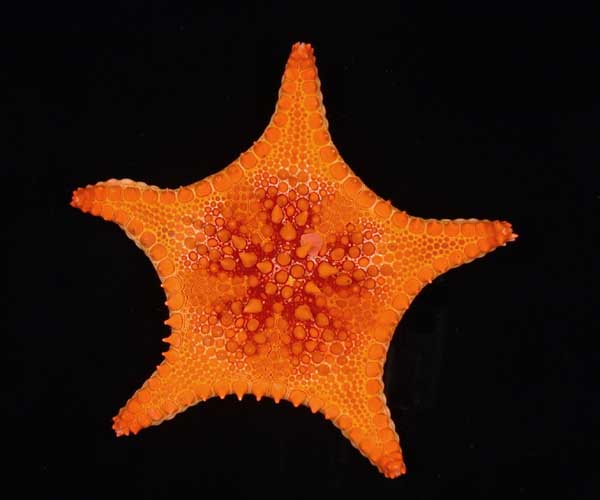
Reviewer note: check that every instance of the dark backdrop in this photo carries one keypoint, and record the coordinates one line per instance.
(489, 377)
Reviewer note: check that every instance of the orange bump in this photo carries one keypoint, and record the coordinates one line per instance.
(221, 182)
(278, 391)
(240, 387)
(302, 251)
(352, 186)
(310, 87)
(203, 188)
(311, 288)
(253, 306)
(150, 196)
(167, 197)
(288, 232)
(221, 389)
(374, 386)
(261, 149)
(484, 245)
(375, 404)
(288, 87)
(186, 398)
(471, 250)
(297, 397)
(176, 301)
(315, 404)
(175, 321)
(400, 302)
(344, 422)
(203, 391)
(238, 242)
(381, 420)
(337, 253)
(264, 266)
(248, 258)
(343, 280)
(376, 352)
(276, 214)
(273, 134)
(331, 412)
(320, 137)
(339, 170)
(381, 333)
(366, 198)
(468, 229)
(373, 369)
(114, 193)
(321, 320)
(383, 209)
(171, 284)
(285, 102)
(400, 219)
(280, 119)
(299, 332)
(440, 264)
(325, 270)
(426, 274)
(169, 407)
(185, 195)
(302, 218)
(135, 227)
(228, 264)
(107, 212)
(308, 74)
(121, 217)
(235, 172)
(259, 389)
(248, 160)
(482, 228)
(451, 228)
(387, 435)
(174, 339)
(292, 74)
(158, 252)
(297, 271)
(456, 258)
(412, 286)
(165, 267)
(311, 102)
(416, 226)
(155, 414)
(328, 154)
(303, 313)
(434, 228)
(388, 317)
(131, 194)
(367, 446)
(315, 121)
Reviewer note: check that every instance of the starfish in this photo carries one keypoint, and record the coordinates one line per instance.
(285, 275)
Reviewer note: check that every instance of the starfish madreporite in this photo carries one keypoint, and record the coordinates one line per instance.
(285, 275)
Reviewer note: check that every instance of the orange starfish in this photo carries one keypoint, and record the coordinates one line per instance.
(285, 275)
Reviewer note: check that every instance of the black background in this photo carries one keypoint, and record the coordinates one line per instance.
(487, 115)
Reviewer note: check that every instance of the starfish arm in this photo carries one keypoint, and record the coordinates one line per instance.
(353, 399)
(423, 249)
(298, 131)
(146, 213)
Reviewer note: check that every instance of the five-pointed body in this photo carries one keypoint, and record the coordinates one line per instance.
(285, 275)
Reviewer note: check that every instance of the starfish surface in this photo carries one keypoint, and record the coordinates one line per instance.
(285, 275)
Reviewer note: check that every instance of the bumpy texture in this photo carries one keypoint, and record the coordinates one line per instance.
(285, 275)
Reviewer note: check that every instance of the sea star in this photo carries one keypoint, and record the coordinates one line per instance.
(285, 275)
